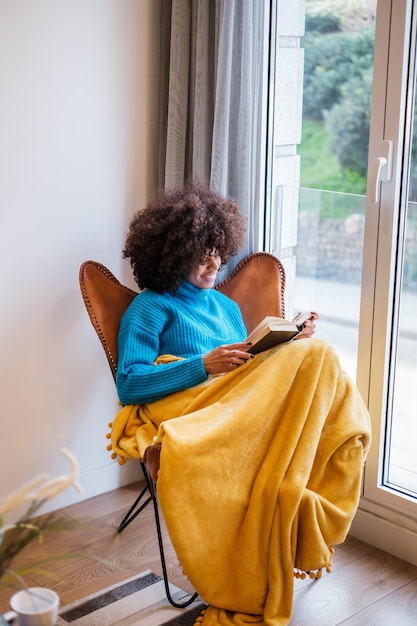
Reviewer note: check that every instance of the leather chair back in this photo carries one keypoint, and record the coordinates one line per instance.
(105, 299)
(257, 284)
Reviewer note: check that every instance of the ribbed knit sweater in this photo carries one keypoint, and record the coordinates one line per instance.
(187, 324)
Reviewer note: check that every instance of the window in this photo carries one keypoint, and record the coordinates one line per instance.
(346, 230)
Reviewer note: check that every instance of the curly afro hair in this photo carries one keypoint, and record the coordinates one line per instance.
(168, 239)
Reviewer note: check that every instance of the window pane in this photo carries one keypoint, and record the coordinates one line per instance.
(400, 464)
(329, 266)
(338, 63)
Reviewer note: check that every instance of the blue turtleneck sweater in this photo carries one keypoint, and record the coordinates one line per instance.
(187, 324)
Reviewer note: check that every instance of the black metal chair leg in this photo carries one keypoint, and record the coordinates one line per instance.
(151, 487)
(132, 512)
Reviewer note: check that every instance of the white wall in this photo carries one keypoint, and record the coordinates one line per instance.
(73, 146)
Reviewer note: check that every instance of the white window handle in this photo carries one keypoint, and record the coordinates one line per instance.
(381, 171)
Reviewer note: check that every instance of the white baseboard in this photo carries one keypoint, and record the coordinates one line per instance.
(385, 535)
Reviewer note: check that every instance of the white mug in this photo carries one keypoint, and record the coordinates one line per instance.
(35, 606)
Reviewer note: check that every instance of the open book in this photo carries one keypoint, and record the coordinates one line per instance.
(274, 330)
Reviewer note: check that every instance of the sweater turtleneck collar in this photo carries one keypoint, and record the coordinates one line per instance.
(190, 293)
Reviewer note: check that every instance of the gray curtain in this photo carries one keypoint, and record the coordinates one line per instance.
(210, 95)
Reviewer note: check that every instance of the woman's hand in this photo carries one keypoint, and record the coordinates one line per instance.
(226, 358)
(309, 328)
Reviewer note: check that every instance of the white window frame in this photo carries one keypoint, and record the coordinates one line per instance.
(384, 519)
(382, 510)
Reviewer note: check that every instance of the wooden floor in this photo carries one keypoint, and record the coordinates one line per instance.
(366, 588)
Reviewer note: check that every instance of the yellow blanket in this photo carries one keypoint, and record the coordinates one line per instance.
(260, 474)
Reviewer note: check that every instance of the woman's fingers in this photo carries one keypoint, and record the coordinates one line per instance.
(227, 357)
(308, 330)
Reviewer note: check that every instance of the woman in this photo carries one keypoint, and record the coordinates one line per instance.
(262, 456)
(176, 246)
